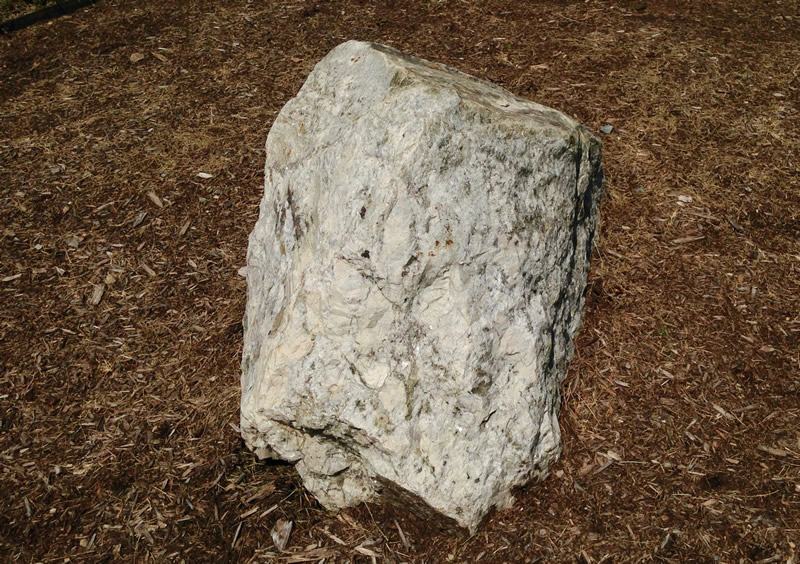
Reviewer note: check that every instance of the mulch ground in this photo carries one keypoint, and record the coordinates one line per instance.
(120, 311)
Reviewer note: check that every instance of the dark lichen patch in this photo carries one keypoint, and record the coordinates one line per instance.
(482, 389)
(408, 264)
(277, 322)
(299, 230)
(400, 80)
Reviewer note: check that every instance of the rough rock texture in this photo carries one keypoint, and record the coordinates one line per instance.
(415, 280)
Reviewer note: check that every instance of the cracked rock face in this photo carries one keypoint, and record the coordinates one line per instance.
(415, 280)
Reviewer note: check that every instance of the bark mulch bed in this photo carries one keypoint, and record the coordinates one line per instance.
(120, 327)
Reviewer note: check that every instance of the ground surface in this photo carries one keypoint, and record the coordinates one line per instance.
(13, 8)
(120, 324)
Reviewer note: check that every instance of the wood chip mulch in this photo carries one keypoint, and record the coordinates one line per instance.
(131, 162)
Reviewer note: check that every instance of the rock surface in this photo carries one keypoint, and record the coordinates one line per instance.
(415, 280)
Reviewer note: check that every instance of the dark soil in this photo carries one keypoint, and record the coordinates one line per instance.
(120, 327)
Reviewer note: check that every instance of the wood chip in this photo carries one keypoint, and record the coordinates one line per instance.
(268, 511)
(403, 538)
(281, 532)
(773, 451)
(97, 294)
(334, 538)
(149, 270)
(261, 493)
(248, 513)
(184, 228)
(159, 56)
(345, 518)
(604, 466)
(155, 199)
(361, 549)
(139, 219)
(98, 209)
(722, 412)
(668, 375)
(11, 278)
(736, 227)
(703, 215)
(313, 555)
(682, 240)
(236, 535)
(73, 241)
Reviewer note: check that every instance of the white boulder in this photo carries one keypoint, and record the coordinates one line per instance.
(415, 280)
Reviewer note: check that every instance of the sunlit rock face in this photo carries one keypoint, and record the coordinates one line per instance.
(415, 281)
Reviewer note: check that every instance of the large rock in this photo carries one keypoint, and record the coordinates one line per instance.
(415, 280)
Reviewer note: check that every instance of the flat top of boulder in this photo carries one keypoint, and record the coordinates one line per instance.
(388, 68)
